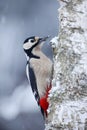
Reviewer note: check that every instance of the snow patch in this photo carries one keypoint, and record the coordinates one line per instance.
(54, 42)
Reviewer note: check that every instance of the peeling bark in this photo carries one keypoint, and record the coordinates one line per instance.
(68, 96)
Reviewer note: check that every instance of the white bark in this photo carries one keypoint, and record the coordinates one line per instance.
(68, 97)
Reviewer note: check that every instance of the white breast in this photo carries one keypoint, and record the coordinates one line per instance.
(43, 72)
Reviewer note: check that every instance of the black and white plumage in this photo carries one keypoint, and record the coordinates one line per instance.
(39, 70)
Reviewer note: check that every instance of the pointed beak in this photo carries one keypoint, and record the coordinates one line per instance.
(43, 39)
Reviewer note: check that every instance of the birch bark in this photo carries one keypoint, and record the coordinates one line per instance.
(68, 96)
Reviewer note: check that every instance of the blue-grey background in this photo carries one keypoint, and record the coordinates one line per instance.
(20, 19)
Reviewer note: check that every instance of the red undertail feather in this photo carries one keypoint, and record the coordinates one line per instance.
(44, 102)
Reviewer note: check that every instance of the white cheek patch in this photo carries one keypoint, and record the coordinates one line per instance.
(27, 45)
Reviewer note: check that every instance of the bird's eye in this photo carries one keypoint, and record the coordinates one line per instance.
(32, 40)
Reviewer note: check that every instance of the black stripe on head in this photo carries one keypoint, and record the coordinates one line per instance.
(29, 51)
(33, 37)
(30, 54)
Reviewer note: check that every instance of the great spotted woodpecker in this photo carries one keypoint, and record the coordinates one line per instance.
(39, 71)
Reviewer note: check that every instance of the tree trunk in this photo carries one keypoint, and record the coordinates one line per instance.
(68, 96)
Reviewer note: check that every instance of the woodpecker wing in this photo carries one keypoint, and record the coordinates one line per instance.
(33, 83)
(32, 79)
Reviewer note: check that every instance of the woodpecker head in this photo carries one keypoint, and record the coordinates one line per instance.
(33, 43)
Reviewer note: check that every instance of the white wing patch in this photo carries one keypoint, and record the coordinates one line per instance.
(27, 72)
